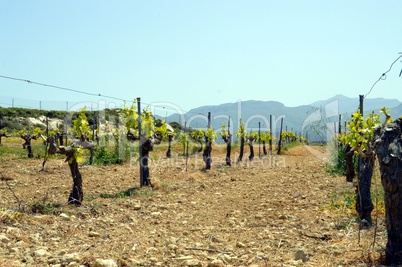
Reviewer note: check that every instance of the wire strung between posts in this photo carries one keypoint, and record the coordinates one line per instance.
(61, 88)
(88, 93)
(384, 75)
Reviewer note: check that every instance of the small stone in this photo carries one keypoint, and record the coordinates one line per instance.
(216, 263)
(298, 194)
(71, 257)
(156, 214)
(105, 263)
(41, 253)
(301, 255)
(240, 245)
(283, 217)
(137, 206)
(259, 216)
(65, 217)
(4, 238)
(93, 234)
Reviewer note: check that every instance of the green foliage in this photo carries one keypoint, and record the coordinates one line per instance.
(81, 127)
(78, 152)
(253, 136)
(148, 129)
(122, 194)
(337, 160)
(21, 132)
(224, 132)
(343, 201)
(165, 130)
(36, 113)
(197, 135)
(183, 138)
(210, 134)
(266, 137)
(42, 208)
(241, 132)
(37, 131)
(104, 157)
(361, 131)
(130, 118)
(148, 124)
(289, 135)
(386, 112)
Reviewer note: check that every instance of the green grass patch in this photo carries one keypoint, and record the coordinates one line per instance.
(42, 208)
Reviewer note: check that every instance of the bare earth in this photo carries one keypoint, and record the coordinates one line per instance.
(274, 212)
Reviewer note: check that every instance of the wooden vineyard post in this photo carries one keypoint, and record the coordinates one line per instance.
(228, 145)
(93, 137)
(140, 144)
(364, 204)
(280, 138)
(270, 131)
(208, 147)
(259, 140)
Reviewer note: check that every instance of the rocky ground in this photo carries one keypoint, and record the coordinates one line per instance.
(278, 211)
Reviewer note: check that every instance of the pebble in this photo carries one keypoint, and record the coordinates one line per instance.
(301, 255)
(71, 257)
(105, 263)
(4, 238)
(41, 253)
(240, 245)
(156, 214)
(192, 263)
(65, 217)
(216, 263)
(93, 234)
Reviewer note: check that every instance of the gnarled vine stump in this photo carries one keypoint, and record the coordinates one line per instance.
(77, 193)
(250, 144)
(388, 146)
(350, 167)
(364, 204)
(228, 142)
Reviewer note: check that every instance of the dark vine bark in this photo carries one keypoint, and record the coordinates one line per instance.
(59, 137)
(388, 147)
(200, 149)
(364, 204)
(77, 193)
(240, 158)
(250, 144)
(350, 168)
(28, 138)
(206, 155)
(228, 142)
(264, 149)
(146, 145)
(2, 135)
(168, 153)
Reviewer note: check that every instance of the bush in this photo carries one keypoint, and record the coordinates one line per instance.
(105, 157)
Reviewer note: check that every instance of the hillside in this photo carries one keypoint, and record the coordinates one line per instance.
(299, 119)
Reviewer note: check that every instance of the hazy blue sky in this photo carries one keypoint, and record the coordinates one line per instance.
(194, 53)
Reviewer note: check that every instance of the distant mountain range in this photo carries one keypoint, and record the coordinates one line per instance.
(310, 119)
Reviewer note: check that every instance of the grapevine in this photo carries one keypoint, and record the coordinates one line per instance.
(241, 135)
(227, 137)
